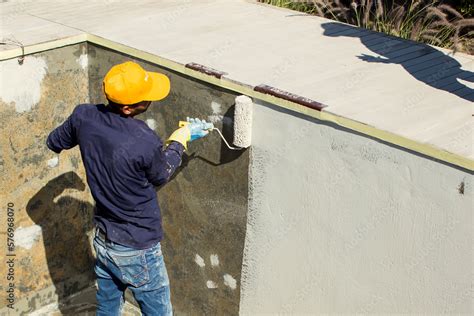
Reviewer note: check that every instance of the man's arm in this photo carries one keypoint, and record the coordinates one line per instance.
(164, 163)
(64, 136)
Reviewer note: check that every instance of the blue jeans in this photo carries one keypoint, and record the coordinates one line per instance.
(142, 271)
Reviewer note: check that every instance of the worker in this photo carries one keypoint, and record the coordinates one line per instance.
(124, 159)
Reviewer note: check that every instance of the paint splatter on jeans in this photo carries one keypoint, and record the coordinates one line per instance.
(142, 271)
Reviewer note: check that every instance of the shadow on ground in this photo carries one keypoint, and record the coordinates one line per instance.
(422, 61)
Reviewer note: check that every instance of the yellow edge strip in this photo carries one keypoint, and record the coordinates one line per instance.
(422, 148)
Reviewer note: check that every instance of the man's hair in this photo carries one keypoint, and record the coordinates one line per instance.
(113, 104)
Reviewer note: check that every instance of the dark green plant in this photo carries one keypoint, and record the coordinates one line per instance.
(466, 7)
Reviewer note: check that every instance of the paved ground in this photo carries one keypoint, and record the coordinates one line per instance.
(398, 86)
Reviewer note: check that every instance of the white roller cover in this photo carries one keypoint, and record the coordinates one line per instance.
(243, 121)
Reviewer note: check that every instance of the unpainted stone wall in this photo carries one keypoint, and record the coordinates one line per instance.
(52, 207)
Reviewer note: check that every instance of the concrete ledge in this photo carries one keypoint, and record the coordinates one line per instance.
(40, 47)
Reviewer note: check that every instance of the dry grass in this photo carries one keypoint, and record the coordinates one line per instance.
(427, 21)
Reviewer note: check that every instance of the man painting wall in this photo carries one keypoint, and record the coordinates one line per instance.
(124, 159)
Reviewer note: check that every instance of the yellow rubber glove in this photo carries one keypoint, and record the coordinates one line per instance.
(182, 135)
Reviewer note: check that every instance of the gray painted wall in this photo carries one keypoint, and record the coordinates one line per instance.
(341, 223)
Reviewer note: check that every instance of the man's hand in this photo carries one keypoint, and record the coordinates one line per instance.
(198, 128)
(191, 129)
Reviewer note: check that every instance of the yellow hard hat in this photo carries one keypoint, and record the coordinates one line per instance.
(129, 83)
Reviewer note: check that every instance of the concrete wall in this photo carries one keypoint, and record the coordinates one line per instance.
(205, 206)
(340, 223)
(51, 206)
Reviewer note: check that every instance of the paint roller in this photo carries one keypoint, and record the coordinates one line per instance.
(242, 124)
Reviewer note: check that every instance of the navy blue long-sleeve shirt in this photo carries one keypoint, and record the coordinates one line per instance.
(124, 159)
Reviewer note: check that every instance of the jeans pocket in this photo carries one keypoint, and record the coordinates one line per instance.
(132, 266)
(157, 269)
